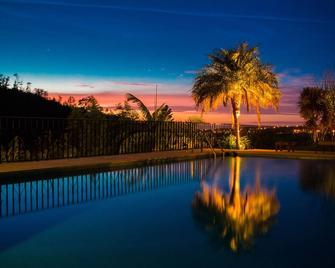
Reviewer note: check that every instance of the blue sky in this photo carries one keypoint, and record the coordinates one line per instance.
(59, 42)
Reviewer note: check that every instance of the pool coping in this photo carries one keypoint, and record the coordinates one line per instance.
(133, 160)
(113, 162)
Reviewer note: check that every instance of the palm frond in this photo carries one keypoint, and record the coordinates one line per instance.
(236, 74)
(143, 109)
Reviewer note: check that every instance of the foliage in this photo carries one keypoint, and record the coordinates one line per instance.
(317, 106)
(266, 138)
(162, 113)
(195, 119)
(125, 112)
(234, 77)
(312, 105)
(71, 101)
(229, 142)
(90, 104)
(17, 101)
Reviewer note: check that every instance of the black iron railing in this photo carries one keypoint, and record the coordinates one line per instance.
(29, 139)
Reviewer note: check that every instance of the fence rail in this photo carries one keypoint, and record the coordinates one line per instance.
(29, 139)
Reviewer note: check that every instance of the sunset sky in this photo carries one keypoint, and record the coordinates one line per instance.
(108, 48)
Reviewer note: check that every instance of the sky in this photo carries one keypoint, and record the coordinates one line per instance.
(108, 48)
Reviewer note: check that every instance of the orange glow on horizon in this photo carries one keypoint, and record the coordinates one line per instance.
(183, 108)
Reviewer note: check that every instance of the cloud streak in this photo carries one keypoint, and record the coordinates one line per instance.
(172, 12)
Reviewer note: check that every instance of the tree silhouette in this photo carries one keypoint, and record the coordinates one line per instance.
(317, 106)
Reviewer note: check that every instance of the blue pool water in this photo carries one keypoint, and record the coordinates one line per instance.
(253, 212)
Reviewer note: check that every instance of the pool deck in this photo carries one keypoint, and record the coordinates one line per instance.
(131, 160)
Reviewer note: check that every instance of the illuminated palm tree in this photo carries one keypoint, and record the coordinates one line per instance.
(269, 97)
(235, 77)
(162, 113)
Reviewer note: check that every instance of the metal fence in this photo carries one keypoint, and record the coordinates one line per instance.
(28, 139)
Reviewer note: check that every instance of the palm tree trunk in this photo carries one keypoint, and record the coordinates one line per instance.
(315, 135)
(232, 121)
(236, 115)
(258, 112)
(235, 195)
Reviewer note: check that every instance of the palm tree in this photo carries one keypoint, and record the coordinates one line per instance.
(328, 120)
(268, 98)
(235, 77)
(311, 107)
(162, 113)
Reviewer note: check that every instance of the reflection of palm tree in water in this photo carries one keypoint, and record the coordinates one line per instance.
(319, 177)
(236, 217)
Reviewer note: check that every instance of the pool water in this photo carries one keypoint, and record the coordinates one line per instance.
(255, 212)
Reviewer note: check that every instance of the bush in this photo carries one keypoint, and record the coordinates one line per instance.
(267, 138)
(229, 142)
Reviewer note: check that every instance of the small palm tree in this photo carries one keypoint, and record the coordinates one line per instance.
(162, 113)
(311, 107)
(235, 77)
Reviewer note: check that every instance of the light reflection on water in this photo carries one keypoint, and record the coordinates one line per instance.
(239, 215)
(239, 212)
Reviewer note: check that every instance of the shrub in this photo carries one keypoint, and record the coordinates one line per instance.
(230, 142)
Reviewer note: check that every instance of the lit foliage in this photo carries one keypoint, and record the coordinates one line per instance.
(230, 142)
(235, 77)
(236, 217)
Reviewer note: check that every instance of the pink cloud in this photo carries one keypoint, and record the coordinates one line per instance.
(85, 85)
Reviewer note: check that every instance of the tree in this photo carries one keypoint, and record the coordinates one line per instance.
(71, 102)
(125, 112)
(4, 82)
(162, 113)
(268, 98)
(90, 104)
(317, 106)
(234, 77)
(311, 107)
(40, 92)
(17, 100)
(329, 87)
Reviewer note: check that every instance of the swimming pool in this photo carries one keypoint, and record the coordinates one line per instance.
(256, 212)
